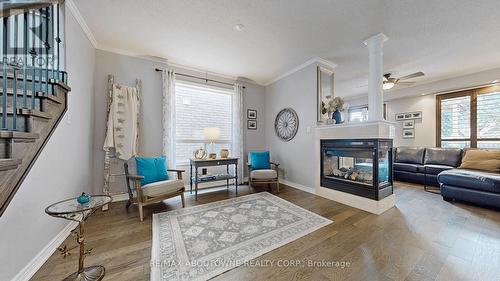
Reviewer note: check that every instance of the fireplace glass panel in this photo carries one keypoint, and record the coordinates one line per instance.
(349, 165)
(383, 168)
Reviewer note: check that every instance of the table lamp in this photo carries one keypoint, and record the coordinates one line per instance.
(212, 134)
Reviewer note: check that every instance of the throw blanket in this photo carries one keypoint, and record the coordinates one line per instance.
(121, 134)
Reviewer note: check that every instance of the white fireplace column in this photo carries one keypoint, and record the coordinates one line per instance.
(375, 80)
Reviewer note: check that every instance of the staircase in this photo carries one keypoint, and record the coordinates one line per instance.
(33, 90)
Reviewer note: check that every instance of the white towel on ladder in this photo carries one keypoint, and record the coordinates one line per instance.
(122, 122)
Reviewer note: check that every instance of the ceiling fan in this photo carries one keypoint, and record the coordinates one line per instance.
(389, 82)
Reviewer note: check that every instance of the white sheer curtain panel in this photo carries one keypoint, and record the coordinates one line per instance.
(237, 144)
(168, 91)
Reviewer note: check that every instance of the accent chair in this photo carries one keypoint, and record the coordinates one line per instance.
(148, 178)
(262, 170)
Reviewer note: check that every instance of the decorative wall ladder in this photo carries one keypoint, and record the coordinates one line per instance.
(109, 155)
(33, 87)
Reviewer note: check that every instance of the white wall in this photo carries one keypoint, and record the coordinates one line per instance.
(298, 91)
(62, 170)
(423, 98)
(126, 69)
(425, 129)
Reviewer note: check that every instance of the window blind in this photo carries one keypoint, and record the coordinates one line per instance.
(455, 122)
(198, 107)
(488, 120)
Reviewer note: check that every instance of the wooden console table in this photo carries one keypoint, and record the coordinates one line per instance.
(199, 163)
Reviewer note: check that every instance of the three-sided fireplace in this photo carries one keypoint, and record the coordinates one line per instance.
(361, 167)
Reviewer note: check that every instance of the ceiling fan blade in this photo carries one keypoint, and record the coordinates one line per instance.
(405, 83)
(413, 75)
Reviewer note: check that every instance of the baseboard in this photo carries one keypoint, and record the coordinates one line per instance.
(120, 197)
(298, 186)
(36, 263)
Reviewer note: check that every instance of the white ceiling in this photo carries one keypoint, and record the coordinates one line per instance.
(443, 38)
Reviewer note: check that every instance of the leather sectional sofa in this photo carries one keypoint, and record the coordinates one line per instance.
(438, 167)
(422, 165)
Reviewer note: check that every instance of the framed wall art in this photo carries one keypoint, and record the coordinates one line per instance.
(251, 114)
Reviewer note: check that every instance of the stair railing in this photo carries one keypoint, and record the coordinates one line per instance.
(31, 52)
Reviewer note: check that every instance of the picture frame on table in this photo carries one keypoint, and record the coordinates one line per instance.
(408, 133)
(252, 124)
(409, 124)
(251, 114)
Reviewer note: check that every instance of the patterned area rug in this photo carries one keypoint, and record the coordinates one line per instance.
(201, 242)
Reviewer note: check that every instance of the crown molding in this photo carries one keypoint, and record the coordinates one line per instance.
(319, 60)
(166, 61)
(79, 18)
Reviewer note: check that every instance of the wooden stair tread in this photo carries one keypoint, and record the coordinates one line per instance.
(39, 95)
(53, 98)
(9, 164)
(29, 112)
(60, 84)
(18, 135)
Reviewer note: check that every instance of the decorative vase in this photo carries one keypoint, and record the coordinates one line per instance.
(337, 116)
(83, 199)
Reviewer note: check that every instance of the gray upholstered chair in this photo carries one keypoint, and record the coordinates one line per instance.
(151, 193)
(262, 170)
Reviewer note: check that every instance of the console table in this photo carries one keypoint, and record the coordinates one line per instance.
(200, 163)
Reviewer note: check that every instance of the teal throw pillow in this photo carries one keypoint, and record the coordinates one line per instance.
(152, 169)
(260, 160)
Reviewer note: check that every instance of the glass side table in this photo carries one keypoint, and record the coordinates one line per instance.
(70, 209)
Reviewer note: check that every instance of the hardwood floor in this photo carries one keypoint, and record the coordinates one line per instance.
(422, 238)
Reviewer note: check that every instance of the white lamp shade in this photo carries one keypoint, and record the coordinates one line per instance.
(211, 133)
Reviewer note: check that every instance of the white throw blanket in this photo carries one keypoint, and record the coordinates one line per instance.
(122, 122)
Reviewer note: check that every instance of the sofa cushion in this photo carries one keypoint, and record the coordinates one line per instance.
(481, 159)
(414, 168)
(263, 174)
(411, 155)
(436, 169)
(162, 187)
(471, 179)
(443, 156)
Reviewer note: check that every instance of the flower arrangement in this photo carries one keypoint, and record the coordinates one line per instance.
(332, 105)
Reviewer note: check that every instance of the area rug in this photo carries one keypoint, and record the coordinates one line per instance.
(201, 242)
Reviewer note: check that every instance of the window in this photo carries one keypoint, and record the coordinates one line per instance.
(469, 118)
(360, 113)
(198, 107)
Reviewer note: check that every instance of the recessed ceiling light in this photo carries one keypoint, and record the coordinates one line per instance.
(239, 27)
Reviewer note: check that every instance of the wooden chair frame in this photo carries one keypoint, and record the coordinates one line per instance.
(267, 181)
(141, 200)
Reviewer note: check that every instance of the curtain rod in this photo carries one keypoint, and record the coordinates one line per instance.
(197, 77)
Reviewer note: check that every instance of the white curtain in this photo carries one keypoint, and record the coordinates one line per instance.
(168, 89)
(237, 144)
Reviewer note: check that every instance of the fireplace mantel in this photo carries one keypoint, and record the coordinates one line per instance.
(361, 130)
